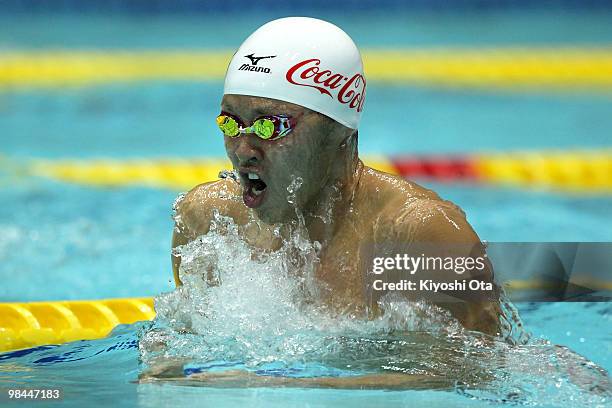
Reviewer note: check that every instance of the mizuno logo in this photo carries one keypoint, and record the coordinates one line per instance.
(255, 60)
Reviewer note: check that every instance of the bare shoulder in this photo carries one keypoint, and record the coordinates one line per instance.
(410, 217)
(195, 210)
(408, 210)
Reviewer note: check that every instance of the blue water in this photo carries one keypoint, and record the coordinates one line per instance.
(169, 120)
(371, 29)
(63, 241)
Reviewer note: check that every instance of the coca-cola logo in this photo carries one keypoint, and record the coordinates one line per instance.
(308, 73)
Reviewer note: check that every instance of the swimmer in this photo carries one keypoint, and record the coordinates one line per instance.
(293, 98)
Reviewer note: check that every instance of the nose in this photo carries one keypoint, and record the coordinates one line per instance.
(247, 153)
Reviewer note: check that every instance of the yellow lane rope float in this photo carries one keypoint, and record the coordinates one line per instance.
(174, 174)
(584, 172)
(510, 68)
(580, 172)
(31, 324)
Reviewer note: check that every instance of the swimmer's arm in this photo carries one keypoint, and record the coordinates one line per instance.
(192, 219)
(195, 212)
(178, 239)
(241, 378)
(445, 224)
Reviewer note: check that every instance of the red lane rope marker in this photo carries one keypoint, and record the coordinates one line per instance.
(439, 168)
(577, 171)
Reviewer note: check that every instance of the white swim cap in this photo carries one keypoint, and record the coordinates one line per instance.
(305, 61)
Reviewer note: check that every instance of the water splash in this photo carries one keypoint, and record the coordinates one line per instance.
(231, 174)
(259, 306)
(176, 216)
(293, 187)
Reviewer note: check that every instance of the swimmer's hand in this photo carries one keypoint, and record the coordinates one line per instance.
(163, 368)
(245, 379)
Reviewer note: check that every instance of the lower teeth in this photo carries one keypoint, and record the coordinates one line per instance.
(256, 192)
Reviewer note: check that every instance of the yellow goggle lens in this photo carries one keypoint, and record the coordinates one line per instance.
(228, 125)
(264, 128)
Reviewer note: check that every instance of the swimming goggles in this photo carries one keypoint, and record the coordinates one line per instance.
(269, 127)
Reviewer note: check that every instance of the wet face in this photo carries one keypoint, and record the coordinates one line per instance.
(268, 167)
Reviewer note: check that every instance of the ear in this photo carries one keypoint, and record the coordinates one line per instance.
(346, 139)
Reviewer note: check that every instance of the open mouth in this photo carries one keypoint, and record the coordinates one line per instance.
(254, 189)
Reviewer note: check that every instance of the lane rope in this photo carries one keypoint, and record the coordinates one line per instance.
(584, 172)
(509, 68)
(31, 324)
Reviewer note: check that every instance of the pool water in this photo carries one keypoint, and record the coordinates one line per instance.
(106, 371)
(260, 315)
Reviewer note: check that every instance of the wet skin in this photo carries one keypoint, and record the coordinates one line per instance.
(244, 379)
(346, 207)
